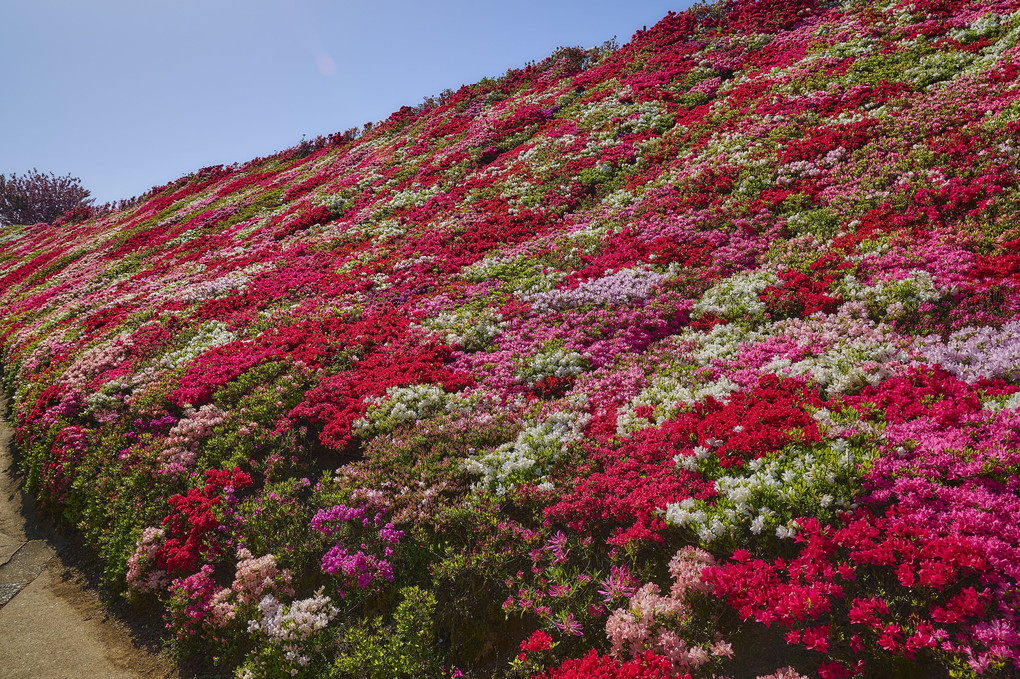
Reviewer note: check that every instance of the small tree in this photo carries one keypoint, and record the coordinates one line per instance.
(38, 197)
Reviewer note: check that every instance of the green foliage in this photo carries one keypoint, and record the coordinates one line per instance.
(276, 521)
(820, 223)
(260, 204)
(693, 99)
(261, 396)
(593, 177)
(404, 648)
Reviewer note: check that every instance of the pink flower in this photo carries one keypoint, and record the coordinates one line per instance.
(817, 638)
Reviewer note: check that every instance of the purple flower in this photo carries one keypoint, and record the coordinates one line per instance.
(360, 567)
(337, 513)
(390, 535)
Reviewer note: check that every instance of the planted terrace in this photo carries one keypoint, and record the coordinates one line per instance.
(695, 356)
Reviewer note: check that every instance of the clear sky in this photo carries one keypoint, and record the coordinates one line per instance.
(129, 94)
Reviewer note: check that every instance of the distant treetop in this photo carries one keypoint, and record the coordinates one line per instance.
(38, 197)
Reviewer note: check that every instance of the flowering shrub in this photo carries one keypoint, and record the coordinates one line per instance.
(648, 666)
(287, 632)
(654, 622)
(357, 569)
(188, 528)
(404, 649)
(460, 385)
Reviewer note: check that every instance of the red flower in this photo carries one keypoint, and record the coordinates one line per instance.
(817, 638)
(538, 641)
(890, 637)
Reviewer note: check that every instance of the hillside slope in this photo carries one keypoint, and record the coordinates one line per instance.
(699, 354)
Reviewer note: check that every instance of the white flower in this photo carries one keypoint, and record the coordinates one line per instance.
(785, 532)
(534, 448)
(736, 296)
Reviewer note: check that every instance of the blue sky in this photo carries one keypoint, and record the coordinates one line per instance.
(128, 94)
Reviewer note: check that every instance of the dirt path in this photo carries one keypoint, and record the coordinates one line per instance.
(52, 624)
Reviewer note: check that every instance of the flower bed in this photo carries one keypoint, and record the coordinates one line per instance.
(692, 357)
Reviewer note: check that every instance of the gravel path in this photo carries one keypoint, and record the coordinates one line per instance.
(52, 624)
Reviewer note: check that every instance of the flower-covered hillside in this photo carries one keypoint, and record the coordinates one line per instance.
(697, 356)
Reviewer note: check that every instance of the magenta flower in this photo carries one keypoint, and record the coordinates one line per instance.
(620, 583)
(568, 625)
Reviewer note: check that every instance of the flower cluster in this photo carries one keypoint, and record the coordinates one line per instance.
(291, 629)
(190, 530)
(653, 622)
(358, 569)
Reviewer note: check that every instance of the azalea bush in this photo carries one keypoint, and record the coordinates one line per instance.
(695, 356)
